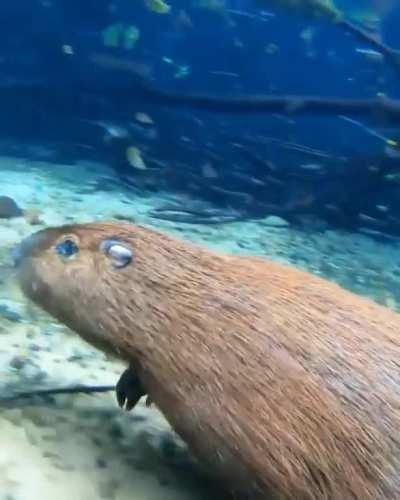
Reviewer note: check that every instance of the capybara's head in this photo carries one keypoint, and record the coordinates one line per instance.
(96, 278)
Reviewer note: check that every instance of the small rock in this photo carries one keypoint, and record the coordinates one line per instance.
(18, 362)
(34, 347)
(137, 418)
(97, 441)
(9, 208)
(168, 447)
(101, 463)
(125, 217)
(275, 221)
(244, 244)
(116, 431)
(9, 314)
(75, 357)
(32, 216)
(28, 369)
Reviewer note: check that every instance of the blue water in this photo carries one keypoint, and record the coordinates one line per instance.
(72, 109)
(62, 79)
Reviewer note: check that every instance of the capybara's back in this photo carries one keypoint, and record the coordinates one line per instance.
(285, 385)
(306, 402)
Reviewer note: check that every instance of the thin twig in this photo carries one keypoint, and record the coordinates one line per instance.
(74, 389)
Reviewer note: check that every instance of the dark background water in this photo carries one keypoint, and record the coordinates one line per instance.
(340, 174)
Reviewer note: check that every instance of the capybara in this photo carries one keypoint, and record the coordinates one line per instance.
(283, 384)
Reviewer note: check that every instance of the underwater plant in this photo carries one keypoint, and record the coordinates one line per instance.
(158, 6)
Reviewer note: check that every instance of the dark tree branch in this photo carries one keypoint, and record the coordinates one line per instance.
(70, 99)
(75, 389)
(380, 108)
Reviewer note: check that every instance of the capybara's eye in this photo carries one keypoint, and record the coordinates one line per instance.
(120, 254)
(67, 248)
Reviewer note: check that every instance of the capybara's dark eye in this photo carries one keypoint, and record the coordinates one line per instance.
(120, 254)
(67, 248)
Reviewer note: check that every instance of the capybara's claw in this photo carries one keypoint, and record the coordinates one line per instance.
(129, 389)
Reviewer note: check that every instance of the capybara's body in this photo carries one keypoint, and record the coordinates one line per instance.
(285, 385)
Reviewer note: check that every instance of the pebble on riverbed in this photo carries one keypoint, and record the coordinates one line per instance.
(9, 208)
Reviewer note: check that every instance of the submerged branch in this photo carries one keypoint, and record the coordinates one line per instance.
(74, 389)
(381, 108)
(392, 55)
(93, 99)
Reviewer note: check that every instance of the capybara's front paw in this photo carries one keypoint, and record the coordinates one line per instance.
(129, 389)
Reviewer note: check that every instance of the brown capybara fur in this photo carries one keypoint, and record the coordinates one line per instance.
(283, 384)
